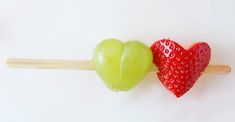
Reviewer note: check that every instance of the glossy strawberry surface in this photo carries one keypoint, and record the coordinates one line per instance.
(180, 68)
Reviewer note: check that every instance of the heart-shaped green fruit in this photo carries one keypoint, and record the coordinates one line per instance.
(122, 65)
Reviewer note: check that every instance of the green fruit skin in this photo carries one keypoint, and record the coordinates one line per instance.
(122, 65)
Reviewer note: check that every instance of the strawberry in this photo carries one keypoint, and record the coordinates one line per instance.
(180, 68)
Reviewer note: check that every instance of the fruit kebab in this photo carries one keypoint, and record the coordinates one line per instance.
(122, 65)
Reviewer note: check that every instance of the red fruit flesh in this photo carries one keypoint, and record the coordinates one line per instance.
(179, 68)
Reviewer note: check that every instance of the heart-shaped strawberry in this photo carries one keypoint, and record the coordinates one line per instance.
(180, 68)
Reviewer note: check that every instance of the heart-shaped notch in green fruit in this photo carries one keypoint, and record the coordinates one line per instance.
(122, 65)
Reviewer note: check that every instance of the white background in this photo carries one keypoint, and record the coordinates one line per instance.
(70, 29)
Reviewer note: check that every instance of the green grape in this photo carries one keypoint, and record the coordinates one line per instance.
(122, 65)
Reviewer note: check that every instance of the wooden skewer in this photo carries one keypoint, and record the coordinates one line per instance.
(50, 64)
(87, 65)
